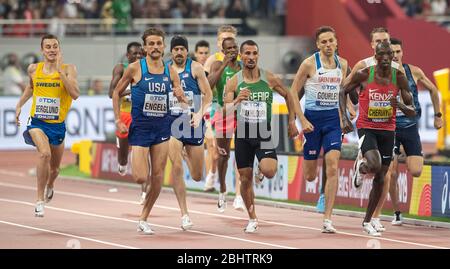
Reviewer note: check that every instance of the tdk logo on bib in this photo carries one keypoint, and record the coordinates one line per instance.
(47, 100)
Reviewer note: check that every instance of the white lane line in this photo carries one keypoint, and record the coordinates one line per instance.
(223, 216)
(66, 234)
(153, 224)
(12, 173)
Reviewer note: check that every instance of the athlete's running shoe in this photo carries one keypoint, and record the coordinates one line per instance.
(142, 199)
(39, 209)
(238, 203)
(122, 169)
(209, 182)
(48, 194)
(258, 176)
(377, 225)
(357, 177)
(144, 227)
(368, 229)
(252, 226)
(186, 222)
(398, 219)
(222, 203)
(320, 208)
(328, 227)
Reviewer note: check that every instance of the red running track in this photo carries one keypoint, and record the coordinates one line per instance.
(84, 214)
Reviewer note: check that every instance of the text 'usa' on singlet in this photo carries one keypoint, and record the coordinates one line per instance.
(150, 96)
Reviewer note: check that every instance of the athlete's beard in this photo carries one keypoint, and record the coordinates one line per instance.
(179, 60)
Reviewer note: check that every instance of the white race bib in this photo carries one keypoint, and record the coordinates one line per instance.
(47, 108)
(175, 106)
(155, 105)
(327, 97)
(253, 111)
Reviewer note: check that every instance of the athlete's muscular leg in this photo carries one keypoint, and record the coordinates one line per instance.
(246, 175)
(43, 166)
(324, 176)
(55, 162)
(393, 187)
(372, 163)
(212, 155)
(375, 193)
(238, 179)
(332, 161)
(158, 155)
(223, 147)
(268, 167)
(122, 151)
(140, 168)
(179, 187)
(388, 178)
(310, 169)
(415, 165)
(196, 157)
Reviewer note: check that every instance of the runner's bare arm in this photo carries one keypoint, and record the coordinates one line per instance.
(69, 78)
(407, 105)
(358, 66)
(177, 89)
(348, 86)
(434, 93)
(127, 78)
(116, 75)
(208, 63)
(276, 84)
(216, 71)
(27, 93)
(230, 103)
(199, 74)
(353, 100)
(297, 89)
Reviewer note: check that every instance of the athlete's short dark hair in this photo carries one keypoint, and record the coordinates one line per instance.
(249, 43)
(396, 41)
(133, 44)
(324, 29)
(378, 30)
(153, 31)
(201, 43)
(228, 39)
(48, 36)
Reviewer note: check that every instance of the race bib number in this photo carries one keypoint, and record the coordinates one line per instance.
(380, 111)
(155, 105)
(253, 111)
(47, 108)
(175, 106)
(328, 98)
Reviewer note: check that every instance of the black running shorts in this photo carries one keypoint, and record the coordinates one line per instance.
(380, 140)
(410, 139)
(245, 150)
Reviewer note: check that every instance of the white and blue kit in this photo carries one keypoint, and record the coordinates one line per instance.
(181, 128)
(321, 110)
(150, 101)
(406, 131)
